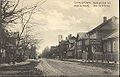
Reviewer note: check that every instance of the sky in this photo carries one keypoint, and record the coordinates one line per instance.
(60, 17)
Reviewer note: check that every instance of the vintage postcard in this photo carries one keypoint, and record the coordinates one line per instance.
(59, 38)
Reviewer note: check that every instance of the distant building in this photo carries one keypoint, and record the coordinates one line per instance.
(100, 43)
(71, 51)
(80, 44)
(62, 48)
(54, 52)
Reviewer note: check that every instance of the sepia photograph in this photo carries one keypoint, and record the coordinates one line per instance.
(59, 38)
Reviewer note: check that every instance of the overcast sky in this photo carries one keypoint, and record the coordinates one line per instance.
(61, 17)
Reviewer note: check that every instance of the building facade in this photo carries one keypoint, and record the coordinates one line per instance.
(98, 45)
(71, 50)
(80, 44)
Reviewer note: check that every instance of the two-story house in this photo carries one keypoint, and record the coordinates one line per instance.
(80, 44)
(96, 44)
(62, 47)
(71, 51)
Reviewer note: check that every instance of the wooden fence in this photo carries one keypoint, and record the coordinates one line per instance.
(106, 57)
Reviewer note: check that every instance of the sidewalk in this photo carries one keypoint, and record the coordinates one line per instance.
(19, 63)
(90, 61)
(26, 68)
(16, 64)
(105, 65)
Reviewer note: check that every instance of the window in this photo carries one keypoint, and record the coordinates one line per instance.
(108, 46)
(93, 35)
(77, 43)
(105, 47)
(69, 45)
(80, 42)
(115, 45)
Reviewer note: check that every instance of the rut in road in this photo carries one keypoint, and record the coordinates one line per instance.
(48, 70)
(58, 68)
(73, 68)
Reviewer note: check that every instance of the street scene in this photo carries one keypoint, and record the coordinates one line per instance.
(52, 67)
(57, 38)
(57, 68)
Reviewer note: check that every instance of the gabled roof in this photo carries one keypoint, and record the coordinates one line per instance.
(73, 37)
(72, 48)
(81, 35)
(102, 24)
(112, 35)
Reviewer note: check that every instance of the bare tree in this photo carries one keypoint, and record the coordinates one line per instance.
(10, 13)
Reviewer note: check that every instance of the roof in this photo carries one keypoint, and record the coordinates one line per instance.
(53, 46)
(102, 24)
(63, 42)
(113, 35)
(73, 37)
(81, 36)
(72, 48)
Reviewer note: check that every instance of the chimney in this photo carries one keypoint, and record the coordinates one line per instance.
(104, 19)
(66, 38)
(69, 36)
(60, 38)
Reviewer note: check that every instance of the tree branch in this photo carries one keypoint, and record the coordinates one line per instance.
(27, 21)
(16, 6)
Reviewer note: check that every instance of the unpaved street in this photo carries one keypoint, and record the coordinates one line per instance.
(55, 68)
(51, 67)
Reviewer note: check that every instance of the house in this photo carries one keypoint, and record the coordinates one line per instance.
(8, 48)
(62, 48)
(71, 51)
(11, 46)
(110, 46)
(99, 42)
(80, 44)
(8, 42)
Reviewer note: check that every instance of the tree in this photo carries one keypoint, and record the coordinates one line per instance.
(10, 14)
(46, 52)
